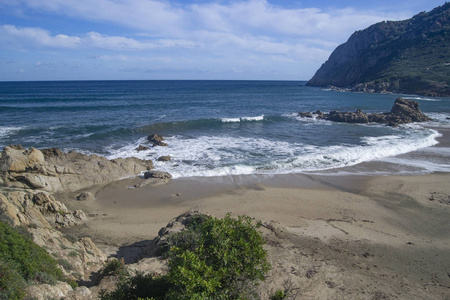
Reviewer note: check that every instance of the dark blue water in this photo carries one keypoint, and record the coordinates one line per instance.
(212, 127)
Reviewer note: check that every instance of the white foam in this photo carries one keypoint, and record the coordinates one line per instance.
(258, 118)
(313, 119)
(424, 99)
(228, 155)
(242, 119)
(6, 131)
(230, 120)
(439, 119)
(425, 165)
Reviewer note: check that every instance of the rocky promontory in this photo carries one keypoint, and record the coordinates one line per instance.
(404, 111)
(53, 170)
(409, 57)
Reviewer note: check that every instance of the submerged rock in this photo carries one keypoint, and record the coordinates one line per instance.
(404, 111)
(164, 158)
(142, 148)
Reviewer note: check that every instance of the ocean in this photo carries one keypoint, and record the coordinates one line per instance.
(219, 128)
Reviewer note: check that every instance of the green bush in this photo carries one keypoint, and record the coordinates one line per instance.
(115, 267)
(22, 261)
(211, 259)
(227, 260)
(26, 255)
(139, 286)
(12, 284)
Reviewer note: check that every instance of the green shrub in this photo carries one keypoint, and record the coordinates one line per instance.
(139, 286)
(22, 261)
(28, 257)
(278, 295)
(115, 267)
(211, 259)
(74, 254)
(227, 260)
(66, 265)
(12, 284)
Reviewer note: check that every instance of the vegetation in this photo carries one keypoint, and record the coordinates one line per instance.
(115, 267)
(21, 262)
(212, 259)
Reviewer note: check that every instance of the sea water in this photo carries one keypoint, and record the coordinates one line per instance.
(216, 128)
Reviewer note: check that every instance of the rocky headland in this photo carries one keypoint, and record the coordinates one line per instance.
(409, 57)
(404, 111)
(52, 170)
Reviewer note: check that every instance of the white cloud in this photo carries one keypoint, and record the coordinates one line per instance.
(30, 37)
(248, 36)
(16, 36)
(163, 19)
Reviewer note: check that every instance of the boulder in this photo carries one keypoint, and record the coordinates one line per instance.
(157, 174)
(348, 117)
(142, 148)
(408, 111)
(164, 158)
(85, 196)
(55, 171)
(156, 140)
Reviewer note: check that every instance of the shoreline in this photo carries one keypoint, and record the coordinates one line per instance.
(261, 197)
(362, 235)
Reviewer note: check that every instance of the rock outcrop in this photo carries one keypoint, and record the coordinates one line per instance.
(409, 56)
(158, 175)
(164, 158)
(142, 148)
(54, 171)
(41, 214)
(404, 111)
(156, 140)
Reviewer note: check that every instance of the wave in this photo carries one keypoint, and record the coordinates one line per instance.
(6, 131)
(175, 127)
(242, 119)
(424, 99)
(227, 155)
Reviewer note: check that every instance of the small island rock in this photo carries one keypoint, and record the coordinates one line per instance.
(156, 139)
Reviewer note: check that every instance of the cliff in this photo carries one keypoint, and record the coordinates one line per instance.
(410, 56)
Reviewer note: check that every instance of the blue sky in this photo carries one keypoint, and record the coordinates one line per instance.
(175, 39)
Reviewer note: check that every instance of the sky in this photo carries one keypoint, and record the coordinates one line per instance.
(178, 39)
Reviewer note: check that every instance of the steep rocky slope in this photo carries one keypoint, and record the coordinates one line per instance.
(410, 56)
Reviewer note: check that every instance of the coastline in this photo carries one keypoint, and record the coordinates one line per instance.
(364, 235)
(379, 228)
(131, 214)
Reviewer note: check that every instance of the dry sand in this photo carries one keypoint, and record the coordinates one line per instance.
(333, 237)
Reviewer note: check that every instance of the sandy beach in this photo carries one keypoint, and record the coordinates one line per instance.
(336, 237)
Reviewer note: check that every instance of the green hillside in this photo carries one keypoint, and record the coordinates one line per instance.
(411, 56)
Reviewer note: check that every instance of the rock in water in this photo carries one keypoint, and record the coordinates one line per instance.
(142, 148)
(165, 158)
(408, 111)
(404, 111)
(156, 139)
